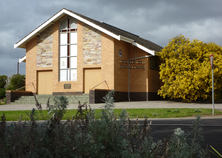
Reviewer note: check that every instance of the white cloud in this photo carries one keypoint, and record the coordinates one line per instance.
(7, 38)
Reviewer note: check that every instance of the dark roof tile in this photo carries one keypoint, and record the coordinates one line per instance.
(146, 43)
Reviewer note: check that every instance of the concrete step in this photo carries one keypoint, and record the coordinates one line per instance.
(44, 98)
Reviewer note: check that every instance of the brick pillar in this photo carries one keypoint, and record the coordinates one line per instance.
(8, 96)
(92, 96)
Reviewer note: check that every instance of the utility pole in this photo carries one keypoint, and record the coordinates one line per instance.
(212, 67)
(18, 68)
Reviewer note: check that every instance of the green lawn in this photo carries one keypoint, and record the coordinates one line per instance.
(133, 113)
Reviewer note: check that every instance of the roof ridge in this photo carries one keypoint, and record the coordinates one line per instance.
(120, 29)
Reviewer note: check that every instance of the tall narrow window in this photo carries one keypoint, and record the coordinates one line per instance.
(68, 49)
(154, 63)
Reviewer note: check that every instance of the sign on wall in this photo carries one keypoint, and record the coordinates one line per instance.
(132, 64)
(67, 86)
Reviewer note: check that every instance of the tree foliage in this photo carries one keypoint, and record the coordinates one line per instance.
(3, 81)
(16, 81)
(2, 93)
(186, 72)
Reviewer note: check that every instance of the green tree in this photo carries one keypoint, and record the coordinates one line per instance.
(2, 93)
(16, 81)
(186, 72)
(3, 81)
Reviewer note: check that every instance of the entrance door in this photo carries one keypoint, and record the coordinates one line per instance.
(45, 82)
(91, 79)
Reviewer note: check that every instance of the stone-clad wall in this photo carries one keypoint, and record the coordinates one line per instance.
(45, 48)
(91, 46)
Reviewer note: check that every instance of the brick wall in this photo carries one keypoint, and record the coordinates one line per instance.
(138, 77)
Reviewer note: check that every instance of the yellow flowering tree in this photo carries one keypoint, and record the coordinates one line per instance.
(186, 72)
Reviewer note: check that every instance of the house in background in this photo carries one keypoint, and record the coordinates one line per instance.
(71, 54)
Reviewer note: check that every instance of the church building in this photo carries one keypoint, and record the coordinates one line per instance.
(71, 54)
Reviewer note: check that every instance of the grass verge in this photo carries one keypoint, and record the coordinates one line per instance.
(133, 113)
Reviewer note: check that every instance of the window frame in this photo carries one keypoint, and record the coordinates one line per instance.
(69, 67)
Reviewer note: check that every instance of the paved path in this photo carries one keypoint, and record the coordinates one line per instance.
(123, 105)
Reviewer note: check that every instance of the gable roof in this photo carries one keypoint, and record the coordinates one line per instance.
(110, 30)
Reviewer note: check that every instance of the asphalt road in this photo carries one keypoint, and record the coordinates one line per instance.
(212, 130)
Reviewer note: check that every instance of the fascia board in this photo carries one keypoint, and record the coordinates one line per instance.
(122, 38)
(129, 40)
(152, 52)
(92, 24)
(22, 59)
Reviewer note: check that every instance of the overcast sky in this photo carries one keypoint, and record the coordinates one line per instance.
(154, 20)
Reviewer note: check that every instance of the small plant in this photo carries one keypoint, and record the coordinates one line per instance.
(176, 111)
(82, 114)
(155, 114)
(58, 109)
(168, 110)
(197, 111)
(33, 115)
(187, 144)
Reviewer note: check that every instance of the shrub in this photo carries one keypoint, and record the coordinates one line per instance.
(2, 93)
(15, 82)
(85, 136)
(3, 81)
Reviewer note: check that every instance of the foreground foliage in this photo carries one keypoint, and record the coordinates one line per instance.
(186, 72)
(86, 136)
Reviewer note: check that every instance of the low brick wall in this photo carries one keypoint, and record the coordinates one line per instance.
(96, 96)
(12, 96)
